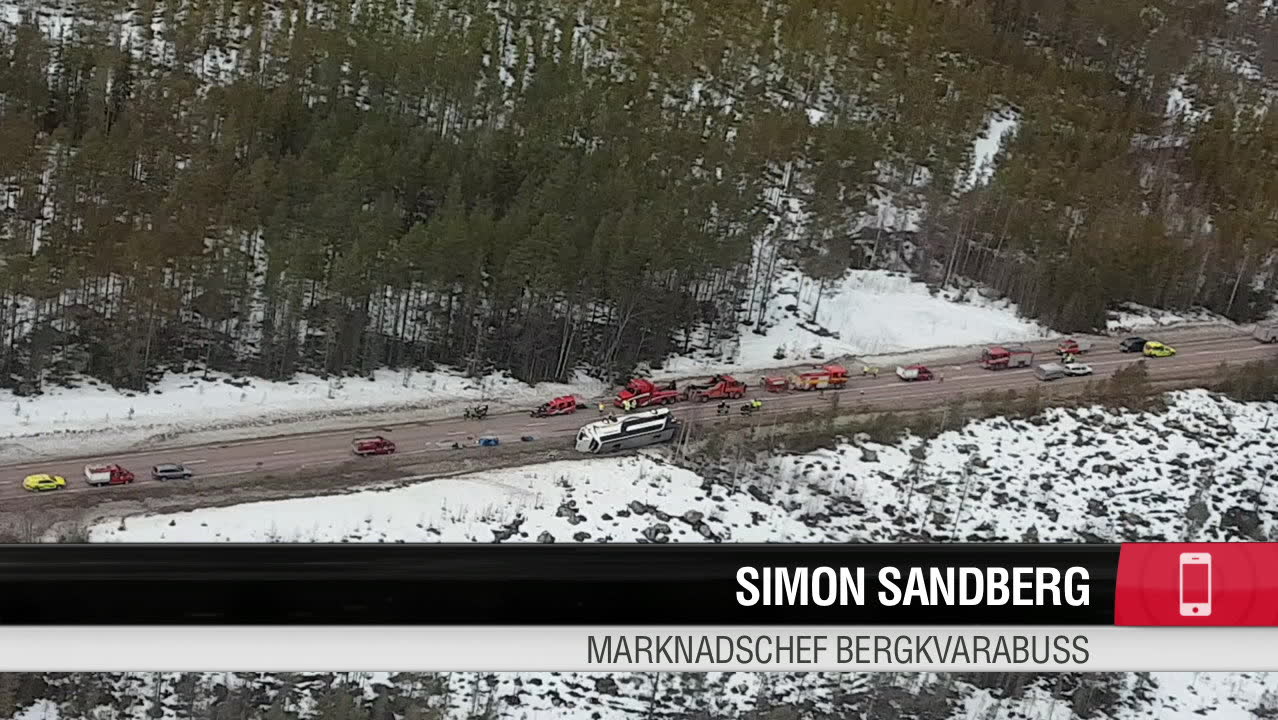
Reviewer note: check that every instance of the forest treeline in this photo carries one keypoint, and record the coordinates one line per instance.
(541, 187)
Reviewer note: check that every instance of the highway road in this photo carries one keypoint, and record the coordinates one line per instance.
(1198, 355)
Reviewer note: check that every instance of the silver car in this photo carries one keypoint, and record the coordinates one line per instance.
(170, 471)
(1077, 369)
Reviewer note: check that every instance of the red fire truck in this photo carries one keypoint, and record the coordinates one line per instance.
(999, 357)
(825, 377)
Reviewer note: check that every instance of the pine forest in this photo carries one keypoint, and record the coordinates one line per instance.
(551, 186)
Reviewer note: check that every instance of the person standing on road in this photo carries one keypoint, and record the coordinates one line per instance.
(601, 408)
(940, 376)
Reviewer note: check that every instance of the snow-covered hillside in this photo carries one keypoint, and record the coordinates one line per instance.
(619, 696)
(867, 312)
(1200, 471)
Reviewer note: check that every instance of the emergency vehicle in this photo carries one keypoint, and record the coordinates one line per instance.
(563, 405)
(372, 446)
(645, 393)
(999, 357)
(720, 387)
(825, 377)
(99, 475)
(912, 373)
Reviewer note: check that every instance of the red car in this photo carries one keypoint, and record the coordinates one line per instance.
(372, 446)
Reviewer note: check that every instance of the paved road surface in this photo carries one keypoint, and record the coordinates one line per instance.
(1199, 353)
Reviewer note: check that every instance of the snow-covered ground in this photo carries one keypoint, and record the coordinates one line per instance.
(867, 312)
(622, 696)
(1197, 472)
(94, 415)
(1133, 316)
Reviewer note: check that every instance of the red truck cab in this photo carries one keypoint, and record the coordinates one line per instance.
(645, 393)
(720, 387)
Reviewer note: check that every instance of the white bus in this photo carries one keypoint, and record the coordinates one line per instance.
(629, 431)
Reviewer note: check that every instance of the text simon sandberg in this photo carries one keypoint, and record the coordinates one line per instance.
(990, 586)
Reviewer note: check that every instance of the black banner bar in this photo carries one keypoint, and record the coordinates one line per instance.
(115, 584)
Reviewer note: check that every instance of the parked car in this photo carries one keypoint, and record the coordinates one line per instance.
(43, 482)
(1266, 333)
(1157, 349)
(170, 471)
(1132, 344)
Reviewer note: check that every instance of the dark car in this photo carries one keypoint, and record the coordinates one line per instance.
(170, 471)
(1132, 344)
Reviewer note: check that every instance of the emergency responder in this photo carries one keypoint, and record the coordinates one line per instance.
(757, 404)
(601, 408)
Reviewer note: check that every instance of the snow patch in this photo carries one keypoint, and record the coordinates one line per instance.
(986, 147)
(867, 312)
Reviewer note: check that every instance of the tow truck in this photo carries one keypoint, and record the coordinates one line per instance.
(720, 387)
(563, 405)
(101, 475)
(645, 393)
(825, 377)
(376, 445)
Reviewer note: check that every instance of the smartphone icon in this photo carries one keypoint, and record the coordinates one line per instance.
(1195, 584)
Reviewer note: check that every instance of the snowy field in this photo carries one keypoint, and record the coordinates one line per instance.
(1135, 317)
(96, 415)
(626, 696)
(1198, 472)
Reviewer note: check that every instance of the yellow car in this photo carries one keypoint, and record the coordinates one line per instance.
(1157, 349)
(40, 483)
